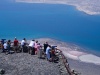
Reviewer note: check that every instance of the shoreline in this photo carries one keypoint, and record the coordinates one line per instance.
(73, 51)
(84, 68)
(79, 60)
(63, 2)
(76, 58)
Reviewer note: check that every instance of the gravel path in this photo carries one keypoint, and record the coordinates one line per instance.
(26, 64)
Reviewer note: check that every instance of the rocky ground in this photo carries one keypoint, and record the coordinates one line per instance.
(26, 64)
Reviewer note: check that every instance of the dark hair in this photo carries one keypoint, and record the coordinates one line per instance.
(24, 39)
(33, 40)
(36, 41)
(9, 40)
(53, 48)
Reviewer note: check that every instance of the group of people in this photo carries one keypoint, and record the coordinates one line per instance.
(33, 48)
(7, 46)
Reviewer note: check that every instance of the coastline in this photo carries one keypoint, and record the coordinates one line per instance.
(72, 51)
(84, 68)
(78, 7)
(78, 60)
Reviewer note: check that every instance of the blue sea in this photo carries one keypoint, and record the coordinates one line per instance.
(61, 22)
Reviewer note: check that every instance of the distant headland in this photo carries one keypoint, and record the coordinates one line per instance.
(89, 7)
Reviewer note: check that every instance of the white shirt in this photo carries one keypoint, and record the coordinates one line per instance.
(32, 43)
(5, 45)
(47, 50)
(22, 42)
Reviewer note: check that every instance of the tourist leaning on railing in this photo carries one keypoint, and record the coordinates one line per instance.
(31, 47)
(45, 46)
(23, 44)
(54, 57)
(48, 52)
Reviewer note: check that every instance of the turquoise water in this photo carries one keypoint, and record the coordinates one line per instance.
(60, 22)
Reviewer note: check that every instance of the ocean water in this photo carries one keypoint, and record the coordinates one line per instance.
(56, 21)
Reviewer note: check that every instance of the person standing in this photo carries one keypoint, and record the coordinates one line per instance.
(31, 47)
(36, 46)
(2, 43)
(16, 44)
(5, 47)
(53, 53)
(23, 44)
(9, 46)
(39, 50)
(45, 46)
(48, 52)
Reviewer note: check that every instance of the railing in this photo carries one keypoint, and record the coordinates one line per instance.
(65, 63)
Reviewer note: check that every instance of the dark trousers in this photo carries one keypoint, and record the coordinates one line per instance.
(23, 48)
(16, 48)
(44, 50)
(31, 50)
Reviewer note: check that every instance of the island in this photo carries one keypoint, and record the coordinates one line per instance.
(91, 7)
